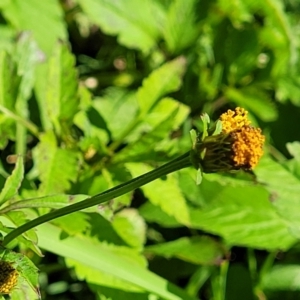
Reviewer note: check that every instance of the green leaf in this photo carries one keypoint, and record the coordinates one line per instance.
(23, 16)
(131, 227)
(243, 215)
(164, 193)
(136, 23)
(181, 29)
(284, 189)
(13, 182)
(95, 256)
(61, 94)
(57, 167)
(282, 277)
(152, 213)
(9, 81)
(161, 81)
(196, 250)
(50, 201)
(96, 277)
(117, 107)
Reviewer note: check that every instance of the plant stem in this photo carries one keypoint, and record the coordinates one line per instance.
(179, 163)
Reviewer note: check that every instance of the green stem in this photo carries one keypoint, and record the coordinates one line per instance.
(172, 166)
(30, 126)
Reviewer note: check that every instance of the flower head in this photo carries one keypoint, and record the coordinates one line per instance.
(237, 146)
(8, 277)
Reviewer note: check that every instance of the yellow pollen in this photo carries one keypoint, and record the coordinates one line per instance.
(8, 277)
(247, 146)
(233, 120)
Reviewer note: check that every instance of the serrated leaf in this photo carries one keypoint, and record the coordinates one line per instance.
(57, 167)
(196, 250)
(13, 182)
(23, 16)
(161, 81)
(136, 23)
(244, 216)
(164, 193)
(181, 29)
(61, 94)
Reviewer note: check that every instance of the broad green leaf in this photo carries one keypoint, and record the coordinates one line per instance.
(197, 250)
(61, 94)
(282, 277)
(94, 256)
(103, 278)
(284, 189)
(57, 167)
(181, 29)
(164, 80)
(164, 193)
(244, 216)
(131, 227)
(24, 15)
(136, 23)
(96, 277)
(13, 182)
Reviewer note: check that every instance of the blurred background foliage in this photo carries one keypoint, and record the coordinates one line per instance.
(95, 92)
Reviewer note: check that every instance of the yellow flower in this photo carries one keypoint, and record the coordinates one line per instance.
(238, 146)
(8, 277)
(232, 120)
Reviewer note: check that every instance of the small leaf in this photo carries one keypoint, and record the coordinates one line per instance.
(13, 182)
